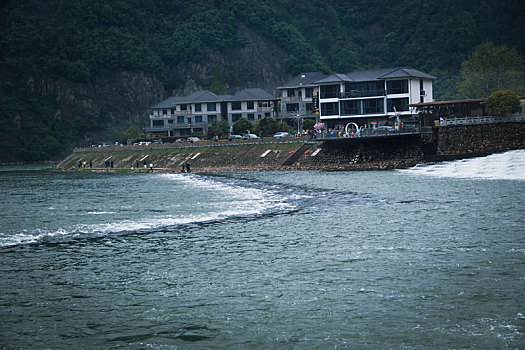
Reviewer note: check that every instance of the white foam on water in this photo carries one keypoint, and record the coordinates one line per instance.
(240, 201)
(502, 166)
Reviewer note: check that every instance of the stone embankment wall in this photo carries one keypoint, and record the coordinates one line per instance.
(480, 139)
(375, 153)
(395, 151)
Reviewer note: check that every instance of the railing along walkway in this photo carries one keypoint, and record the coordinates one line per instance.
(165, 146)
(482, 120)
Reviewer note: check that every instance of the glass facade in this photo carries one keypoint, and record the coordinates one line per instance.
(330, 108)
(397, 87)
(400, 104)
(329, 91)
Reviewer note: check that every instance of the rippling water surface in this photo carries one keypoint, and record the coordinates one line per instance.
(429, 257)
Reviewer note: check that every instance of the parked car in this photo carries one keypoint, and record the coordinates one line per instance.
(234, 137)
(281, 134)
(158, 141)
(193, 139)
(250, 136)
(384, 130)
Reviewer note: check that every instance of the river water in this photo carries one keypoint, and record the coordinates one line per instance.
(428, 257)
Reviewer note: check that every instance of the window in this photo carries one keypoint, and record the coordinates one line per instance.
(249, 105)
(331, 108)
(164, 112)
(236, 106)
(267, 114)
(329, 91)
(310, 107)
(290, 92)
(158, 123)
(400, 104)
(212, 107)
(236, 116)
(397, 87)
(170, 121)
(308, 92)
(180, 119)
(198, 107)
(172, 111)
(350, 107)
(365, 89)
(183, 107)
(373, 106)
(292, 107)
(198, 119)
(212, 118)
(251, 117)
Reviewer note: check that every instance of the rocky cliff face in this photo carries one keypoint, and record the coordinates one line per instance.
(125, 97)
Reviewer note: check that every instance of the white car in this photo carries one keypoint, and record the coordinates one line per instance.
(234, 137)
(193, 139)
(281, 134)
(250, 136)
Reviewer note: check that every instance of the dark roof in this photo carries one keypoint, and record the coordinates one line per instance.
(251, 95)
(169, 102)
(407, 72)
(316, 78)
(303, 79)
(202, 96)
(335, 78)
(388, 73)
(450, 102)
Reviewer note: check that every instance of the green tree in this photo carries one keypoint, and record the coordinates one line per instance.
(220, 127)
(241, 126)
(308, 124)
(491, 68)
(502, 103)
(266, 126)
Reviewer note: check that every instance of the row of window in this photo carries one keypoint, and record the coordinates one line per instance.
(365, 89)
(308, 92)
(212, 107)
(370, 106)
(210, 118)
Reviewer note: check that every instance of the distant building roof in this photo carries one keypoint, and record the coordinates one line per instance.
(251, 95)
(449, 102)
(316, 78)
(204, 96)
(406, 72)
(303, 79)
(335, 78)
(169, 102)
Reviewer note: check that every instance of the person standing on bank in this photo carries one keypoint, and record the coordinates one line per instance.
(188, 167)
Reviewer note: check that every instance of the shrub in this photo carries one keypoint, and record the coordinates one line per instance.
(502, 103)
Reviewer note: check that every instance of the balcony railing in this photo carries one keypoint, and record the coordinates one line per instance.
(163, 116)
(364, 93)
(291, 98)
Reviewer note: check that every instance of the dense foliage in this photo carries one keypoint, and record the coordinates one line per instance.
(491, 68)
(503, 103)
(242, 126)
(79, 41)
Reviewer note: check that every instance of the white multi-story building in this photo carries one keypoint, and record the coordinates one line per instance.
(364, 97)
(193, 114)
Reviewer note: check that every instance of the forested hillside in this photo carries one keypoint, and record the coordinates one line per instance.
(78, 71)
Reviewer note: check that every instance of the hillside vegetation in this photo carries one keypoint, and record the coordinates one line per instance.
(61, 61)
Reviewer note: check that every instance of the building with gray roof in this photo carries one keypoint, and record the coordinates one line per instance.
(368, 98)
(193, 114)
